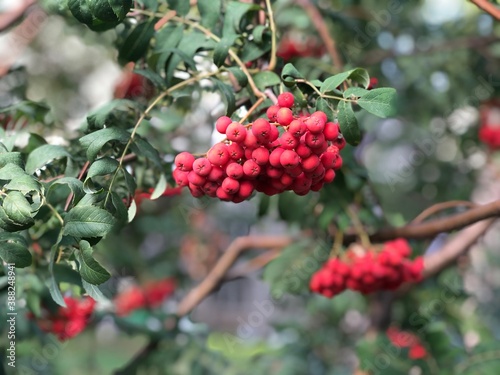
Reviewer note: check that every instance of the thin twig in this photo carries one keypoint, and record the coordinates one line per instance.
(214, 277)
(272, 26)
(432, 210)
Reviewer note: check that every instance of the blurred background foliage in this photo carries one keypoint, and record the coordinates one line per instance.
(443, 58)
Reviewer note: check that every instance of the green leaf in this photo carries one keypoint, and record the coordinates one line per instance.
(258, 33)
(289, 74)
(355, 91)
(25, 184)
(100, 15)
(358, 75)
(52, 283)
(129, 181)
(94, 142)
(160, 187)
(91, 271)
(136, 43)
(235, 11)
(43, 155)
(102, 167)
(180, 6)
(239, 75)
(11, 158)
(348, 123)
(266, 79)
(88, 221)
(11, 171)
(141, 147)
(17, 208)
(251, 51)
(6, 223)
(94, 292)
(210, 11)
(14, 249)
(75, 185)
(132, 211)
(168, 37)
(227, 95)
(381, 102)
(152, 5)
(222, 49)
(109, 114)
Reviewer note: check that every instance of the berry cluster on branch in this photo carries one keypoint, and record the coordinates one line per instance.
(368, 270)
(67, 322)
(296, 152)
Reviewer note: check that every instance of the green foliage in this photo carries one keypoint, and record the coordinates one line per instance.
(100, 15)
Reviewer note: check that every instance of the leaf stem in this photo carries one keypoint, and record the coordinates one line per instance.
(272, 26)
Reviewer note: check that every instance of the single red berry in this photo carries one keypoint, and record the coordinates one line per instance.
(303, 150)
(250, 141)
(184, 161)
(262, 130)
(246, 189)
(417, 352)
(202, 166)
(315, 124)
(297, 128)
(260, 155)
(234, 170)
(273, 134)
(236, 132)
(235, 151)
(315, 141)
(288, 141)
(271, 112)
(274, 157)
(218, 154)
(274, 172)
(223, 195)
(222, 123)
(331, 131)
(180, 177)
(284, 116)
(286, 100)
(310, 163)
(216, 174)
(230, 185)
(289, 159)
(251, 169)
(195, 179)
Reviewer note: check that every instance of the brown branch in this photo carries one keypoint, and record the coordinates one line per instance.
(432, 210)
(324, 33)
(432, 228)
(488, 7)
(455, 247)
(196, 295)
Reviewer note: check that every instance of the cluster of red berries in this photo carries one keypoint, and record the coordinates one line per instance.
(368, 271)
(151, 295)
(257, 157)
(408, 340)
(489, 132)
(67, 322)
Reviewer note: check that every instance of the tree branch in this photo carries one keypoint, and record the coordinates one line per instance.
(488, 7)
(196, 295)
(324, 33)
(431, 228)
